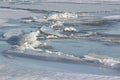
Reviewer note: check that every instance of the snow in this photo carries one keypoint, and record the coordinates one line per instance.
(70, 29)
(29, 40)
(62, 16)
(13, 72)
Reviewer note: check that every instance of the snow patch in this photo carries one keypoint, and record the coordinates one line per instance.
(62, 16)
(70, 29)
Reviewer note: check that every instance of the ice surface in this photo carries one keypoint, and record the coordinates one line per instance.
(27, 44)
(50, 31)
(13, 72)
(113, 17)
(2, 21)
(15, 14)
(104, 60)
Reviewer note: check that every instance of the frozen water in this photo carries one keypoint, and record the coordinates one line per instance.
(52, 39)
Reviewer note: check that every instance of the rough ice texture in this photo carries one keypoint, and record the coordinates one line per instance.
(13, 72)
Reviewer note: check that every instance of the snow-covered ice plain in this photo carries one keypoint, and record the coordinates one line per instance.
(59, 39)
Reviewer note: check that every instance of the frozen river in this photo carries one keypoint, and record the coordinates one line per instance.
(59, 40)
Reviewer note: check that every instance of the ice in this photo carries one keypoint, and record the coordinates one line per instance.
(112, 17)
(13, 72)
(29, 40)
(104, 60)
(62, 16)
(70, 29)
(80, 1)
(29, 51)
(12, 32)
(2, 21)
(54, 24)
(52, 36)
(50, 31)
(32, 1)
(57, 23)
(15, 14)
(94, 20)
(34, 19)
